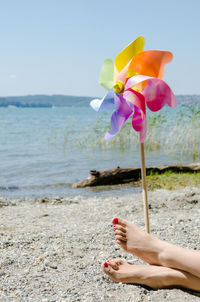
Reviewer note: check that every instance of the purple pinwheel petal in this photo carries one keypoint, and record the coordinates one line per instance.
(107, 103)
(119, 117)
(157, 93)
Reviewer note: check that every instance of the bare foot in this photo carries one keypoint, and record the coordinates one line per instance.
(133, 240)
(154, 251)
(155, 277)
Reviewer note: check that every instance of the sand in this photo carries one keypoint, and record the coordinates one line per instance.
(52, 248)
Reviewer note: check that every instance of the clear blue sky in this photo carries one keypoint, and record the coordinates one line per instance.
(58, 46)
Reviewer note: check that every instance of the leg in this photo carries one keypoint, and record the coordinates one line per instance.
(155, 277)
(154, 251)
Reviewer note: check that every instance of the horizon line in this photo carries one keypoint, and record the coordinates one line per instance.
(69, 95)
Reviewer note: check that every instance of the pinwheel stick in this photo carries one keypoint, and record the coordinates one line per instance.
(144, 188)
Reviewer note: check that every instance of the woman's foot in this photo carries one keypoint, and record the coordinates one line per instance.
(154, 251)
(152, 276)
(133, 240)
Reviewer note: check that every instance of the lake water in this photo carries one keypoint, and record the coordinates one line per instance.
(44, 150)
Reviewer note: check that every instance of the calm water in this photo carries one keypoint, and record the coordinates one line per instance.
(44, 150)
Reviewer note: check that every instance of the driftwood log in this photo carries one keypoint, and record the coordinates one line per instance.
(126, 175)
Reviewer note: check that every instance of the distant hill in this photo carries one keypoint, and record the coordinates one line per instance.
(65, 100)
(45, 101)
(189, 98)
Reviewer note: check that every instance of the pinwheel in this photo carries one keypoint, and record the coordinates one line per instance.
(134, 82)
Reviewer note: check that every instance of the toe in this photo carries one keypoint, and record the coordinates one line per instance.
(119, 261)
(121, 243)
(121, 238)
(119, 227)
(115, 220)
(113, 263)
(120, 233)
(107, 269)
(119, 221)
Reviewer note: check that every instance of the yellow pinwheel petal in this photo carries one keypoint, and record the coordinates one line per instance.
(123, 58)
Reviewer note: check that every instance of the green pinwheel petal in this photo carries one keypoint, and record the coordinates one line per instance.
(107, 74)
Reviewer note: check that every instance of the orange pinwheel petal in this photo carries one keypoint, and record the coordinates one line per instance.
(150, 63)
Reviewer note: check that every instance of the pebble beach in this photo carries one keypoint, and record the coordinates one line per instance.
(52, 248)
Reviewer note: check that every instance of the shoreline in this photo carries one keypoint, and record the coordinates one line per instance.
(52, 248)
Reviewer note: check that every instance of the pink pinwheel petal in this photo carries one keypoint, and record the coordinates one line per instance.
(135, 80)
(119, 117)
(139, 123)
(137, 102)
(157, 93)
(122, 75)
(135, 98)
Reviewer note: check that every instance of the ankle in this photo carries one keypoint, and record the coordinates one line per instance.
(165, 255)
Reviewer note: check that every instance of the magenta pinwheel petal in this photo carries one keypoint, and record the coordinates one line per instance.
(119, 117)
(139, 123)
(107, 103)
(157, 93)
(137, 102)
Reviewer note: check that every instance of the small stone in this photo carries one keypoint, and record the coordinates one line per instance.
(39, 259)
(50, 264)
(2, 273)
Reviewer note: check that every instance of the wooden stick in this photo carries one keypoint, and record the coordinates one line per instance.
(144, 188)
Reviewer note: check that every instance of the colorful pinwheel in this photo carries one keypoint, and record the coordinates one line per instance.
(133, 82)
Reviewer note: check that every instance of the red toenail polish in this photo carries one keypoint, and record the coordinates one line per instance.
(106, 264)
(115, 220)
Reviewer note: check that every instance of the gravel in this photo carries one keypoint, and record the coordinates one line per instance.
(51, 249)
